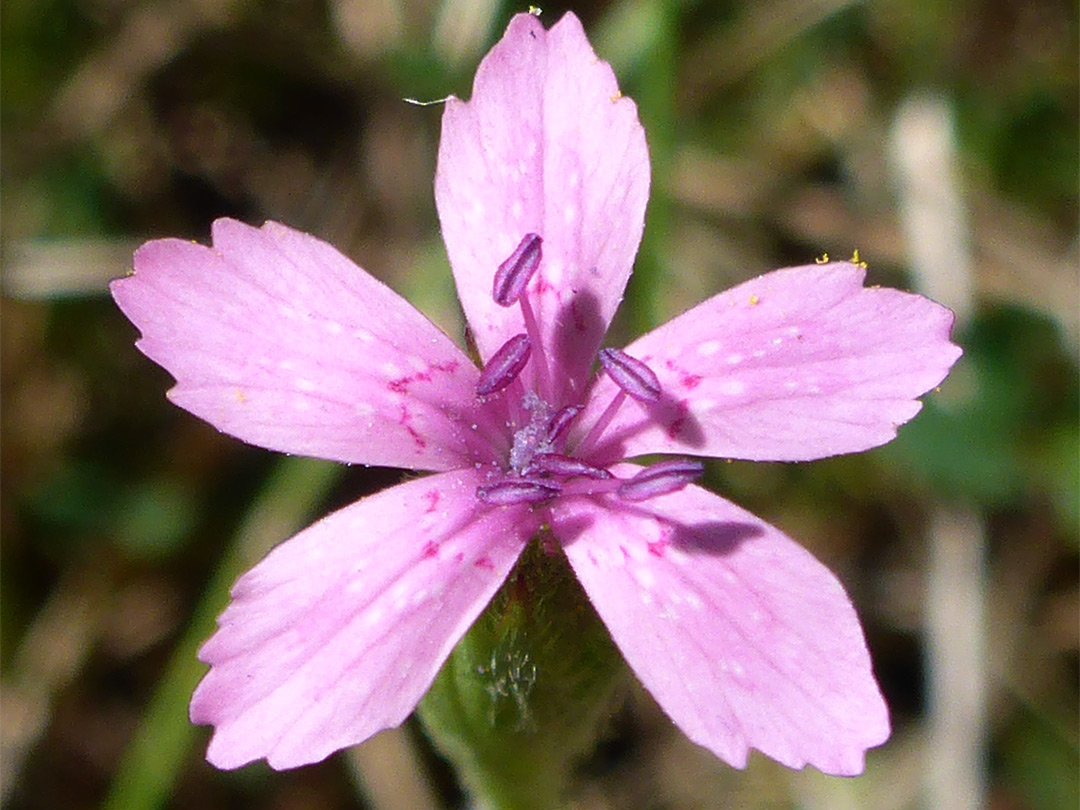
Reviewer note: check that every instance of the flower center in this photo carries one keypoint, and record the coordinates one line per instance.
(536, 471)
(533, 438)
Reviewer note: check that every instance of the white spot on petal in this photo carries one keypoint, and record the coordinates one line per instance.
(303, 384)
(676, 555)
(732, 387)
(734, 359)
(645, 578)
(399, 596)
(708, 348)
(553, 272)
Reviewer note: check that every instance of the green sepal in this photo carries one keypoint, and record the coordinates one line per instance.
(528, 689)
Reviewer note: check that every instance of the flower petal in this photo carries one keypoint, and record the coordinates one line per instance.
(547, 145)
(339, 632)
(743, 638)
(276, 338)
(795, 365)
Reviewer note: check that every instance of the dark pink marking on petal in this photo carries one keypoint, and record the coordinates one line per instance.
(631, 375)
(484, 563)
(690, 381)
(431, 549)
(404, 421)
(401, 384)
(432, 497)
(658, 548)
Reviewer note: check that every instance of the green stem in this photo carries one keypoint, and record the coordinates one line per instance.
(527, 690)
(656, 105)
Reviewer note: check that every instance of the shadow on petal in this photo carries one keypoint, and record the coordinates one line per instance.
(580, 328)
(671, 413)
(717, 538)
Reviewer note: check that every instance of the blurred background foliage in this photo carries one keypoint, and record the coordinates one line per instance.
(778, 131)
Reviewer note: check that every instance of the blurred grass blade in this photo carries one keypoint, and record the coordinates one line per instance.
(158, 750)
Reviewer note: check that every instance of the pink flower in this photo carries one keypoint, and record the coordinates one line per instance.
(274, 337)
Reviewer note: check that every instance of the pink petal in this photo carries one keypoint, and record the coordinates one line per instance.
(339, 632)
(743, 638)
(794, 365)
(276, 338)
(546, 145)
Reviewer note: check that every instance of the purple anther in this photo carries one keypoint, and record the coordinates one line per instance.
(631, 375)
(505, 365)
(518, 490)
(561, 421)
(556, 464)
(661, 478)
(513, 275)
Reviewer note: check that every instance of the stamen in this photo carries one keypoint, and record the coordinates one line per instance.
(518, 490)
(513, 275)
(561, 421)
(631, 375)
(601, 424)
(533, 328)
(661, 478)
(557, 464)
(505, 365)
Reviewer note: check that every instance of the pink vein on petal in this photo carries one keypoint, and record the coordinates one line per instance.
(278, 339)
(382, 587)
